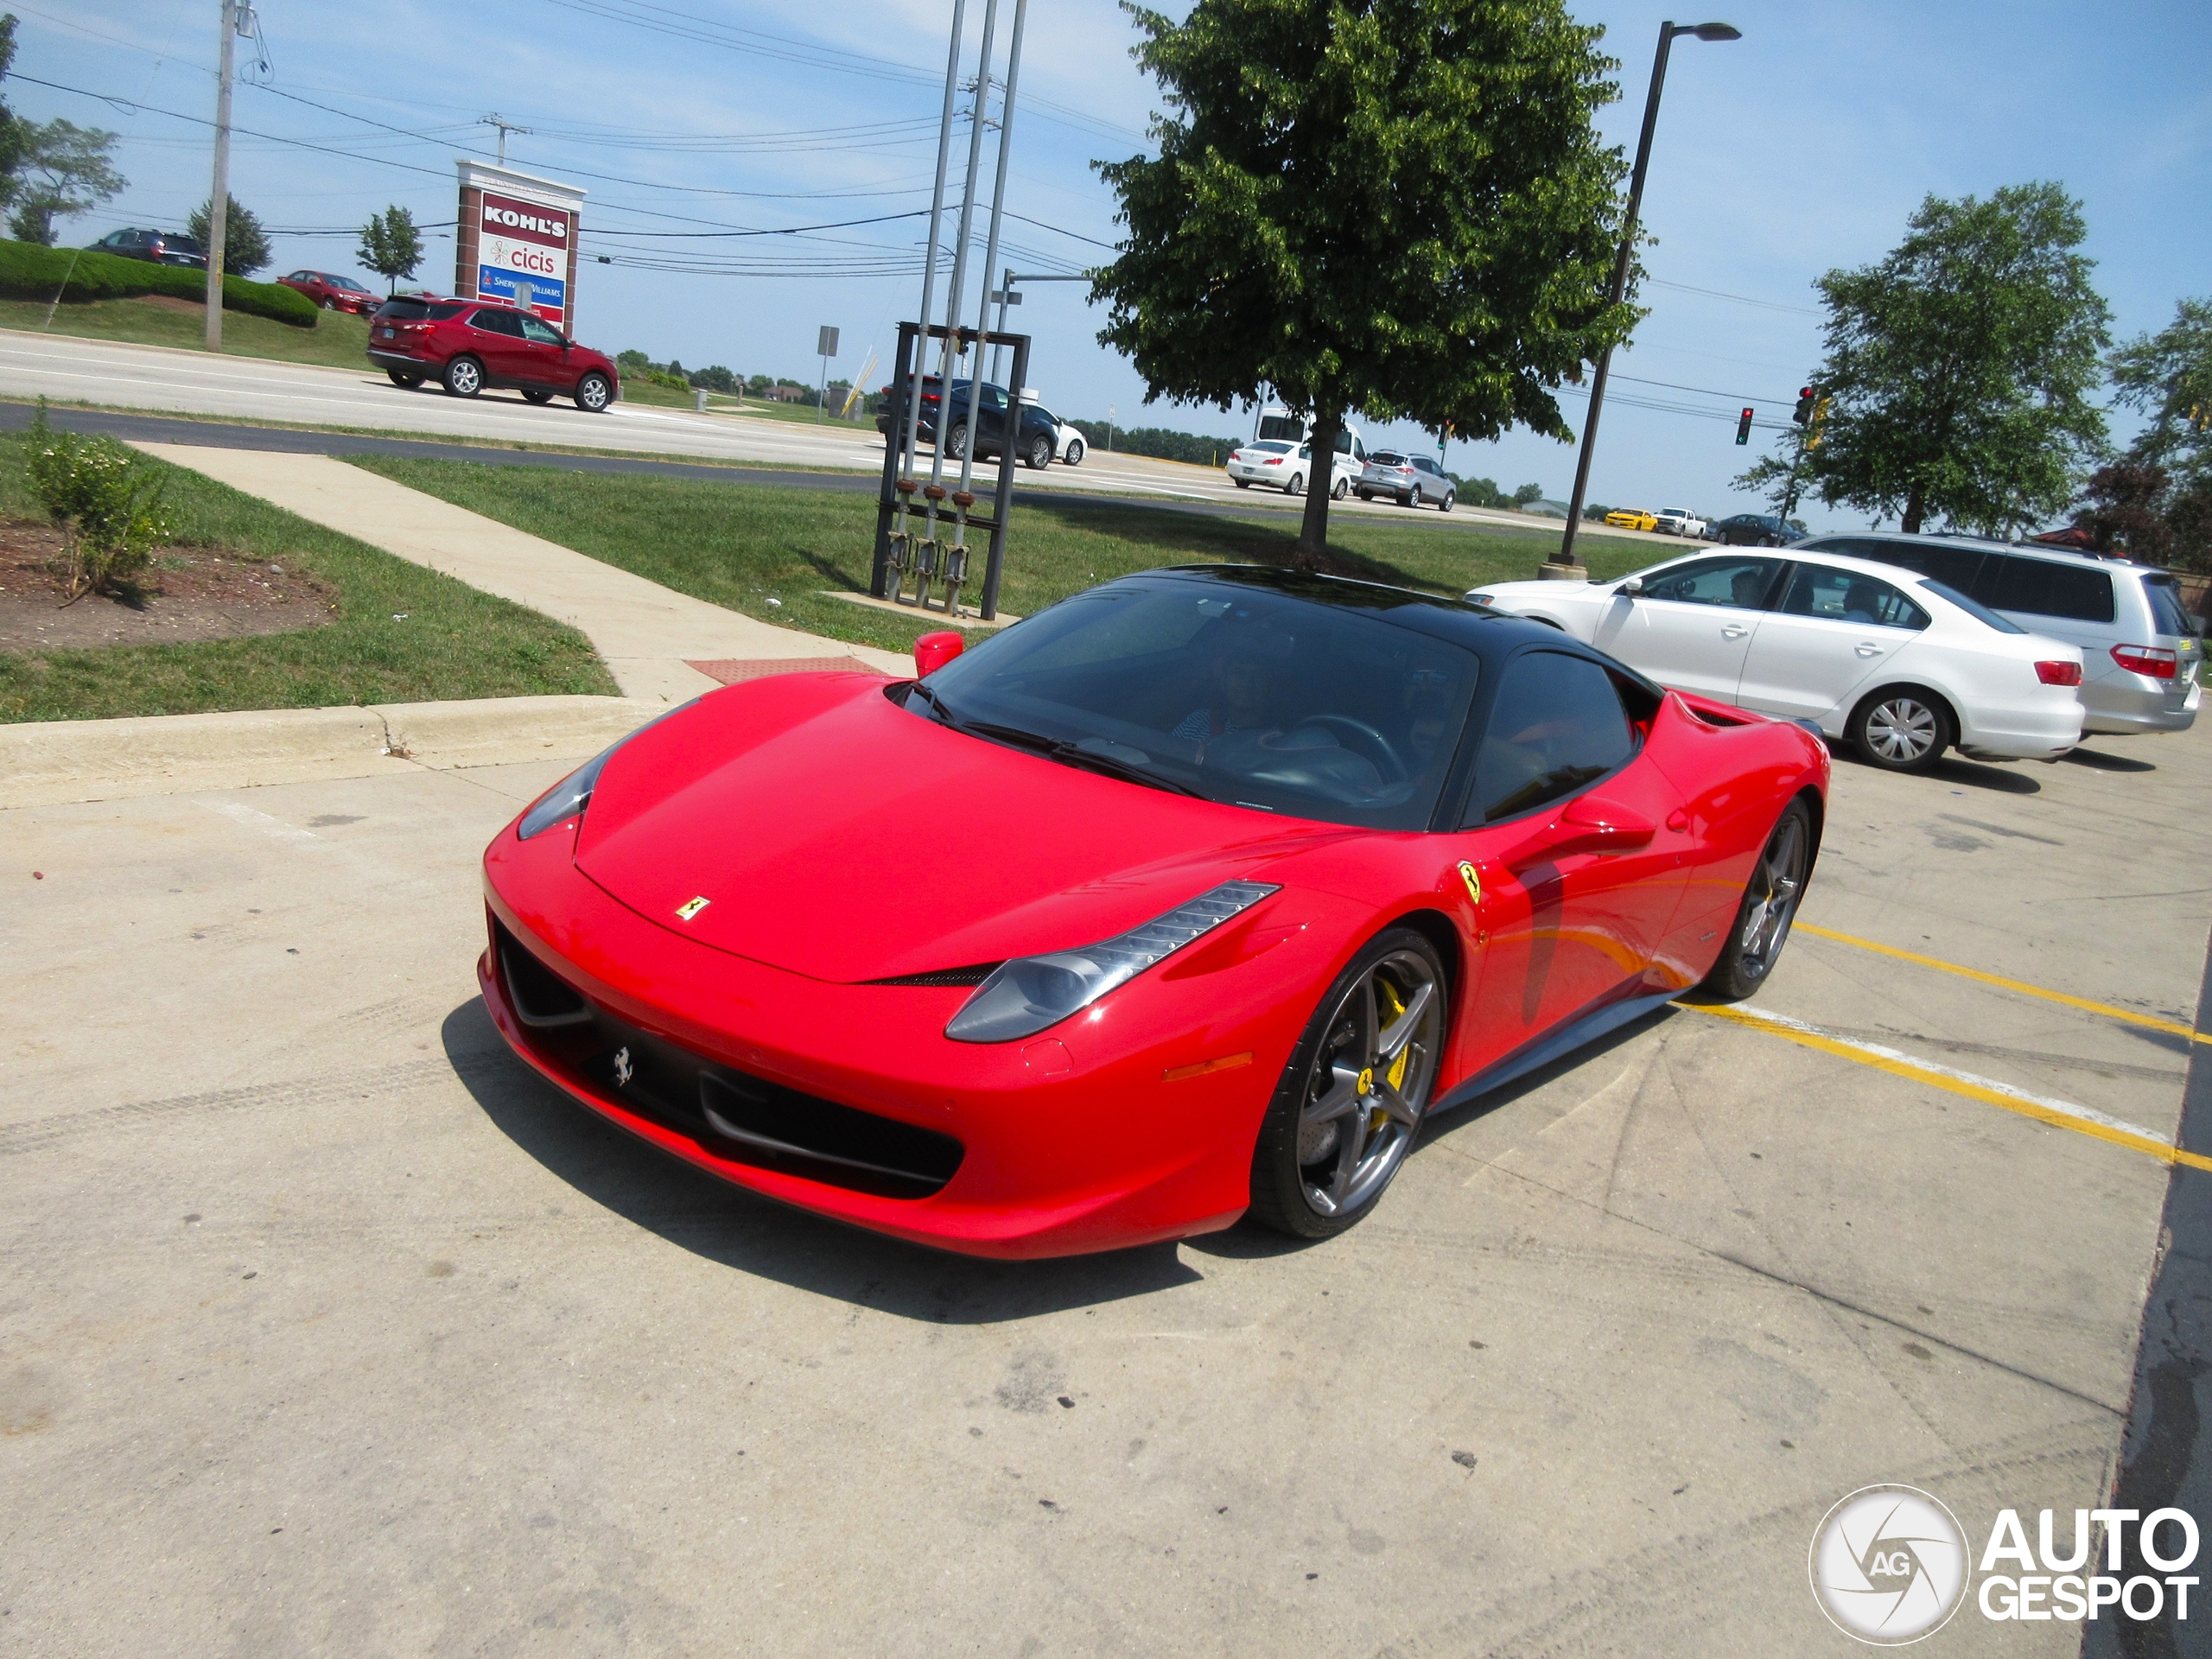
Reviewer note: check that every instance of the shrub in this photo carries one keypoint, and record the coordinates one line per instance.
(30, 272)
(104, 500)
(1159, 443)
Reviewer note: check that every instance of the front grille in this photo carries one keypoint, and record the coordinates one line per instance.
(729, 1113)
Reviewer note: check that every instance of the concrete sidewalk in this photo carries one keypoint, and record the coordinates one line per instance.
(648, 634)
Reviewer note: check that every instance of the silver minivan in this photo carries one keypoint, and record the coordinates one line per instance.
(2140, 648)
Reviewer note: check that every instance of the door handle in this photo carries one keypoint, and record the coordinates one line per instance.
(1734, 631)
(1868, 648)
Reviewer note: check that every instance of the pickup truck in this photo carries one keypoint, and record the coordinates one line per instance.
(1679, 521)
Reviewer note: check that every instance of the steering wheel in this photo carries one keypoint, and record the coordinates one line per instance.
(1371, 743)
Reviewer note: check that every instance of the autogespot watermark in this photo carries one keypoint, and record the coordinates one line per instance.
(1890, 1565)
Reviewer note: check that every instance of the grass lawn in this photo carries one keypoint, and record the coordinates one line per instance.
(740, 544)
(453, 641)
(157, 320)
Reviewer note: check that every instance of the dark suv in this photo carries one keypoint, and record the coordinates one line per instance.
(1037, 436)
(154, 247)
(468, 344)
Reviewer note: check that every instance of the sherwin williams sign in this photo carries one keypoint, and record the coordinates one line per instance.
(522, 254)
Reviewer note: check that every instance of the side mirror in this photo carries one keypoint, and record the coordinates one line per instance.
(1630, 588)
(1586, 824)
(934, 650)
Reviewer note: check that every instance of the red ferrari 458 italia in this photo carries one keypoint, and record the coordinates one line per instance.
(1190, 896)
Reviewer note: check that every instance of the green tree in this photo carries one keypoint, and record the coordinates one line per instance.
(1961, 366)
(2168, 377)
(1397, 206)
(245, 245)
(391, 246)
(15, 131)
(64, 169)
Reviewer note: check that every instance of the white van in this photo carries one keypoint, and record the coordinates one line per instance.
(1278, 424)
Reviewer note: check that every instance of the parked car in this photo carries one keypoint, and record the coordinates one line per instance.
(2141, 650)
(333, 292)
(155, 247)
(1037, 433)
(1412, 481)
(1282, 866)
(1899, 665)
(1679, 521)
(1278, 424)
(1756, 530)
(470, 345)
(1631, 518)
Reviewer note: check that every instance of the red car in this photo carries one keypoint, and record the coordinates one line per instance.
(468, 344)
(1189, 897)
(333, 292)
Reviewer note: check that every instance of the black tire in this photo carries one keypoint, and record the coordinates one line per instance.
(1367, 495)
(1241, 483)
(1445, 505)
(464, 376)
(1040, 453)
(1075, 452)
(1415, 498)
(955, 441)
(537, 396)
(1769, 905)
(1338, 494)
(1322, 1122)
(594, 393)
(1297, 485)
(1902, 729)
(329, 304)
(409, 381)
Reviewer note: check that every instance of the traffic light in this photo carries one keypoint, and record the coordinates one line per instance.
(1819, 415)
(1743, 427)
(1803, 413)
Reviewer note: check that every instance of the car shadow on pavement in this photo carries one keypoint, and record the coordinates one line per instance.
(739, 1229)
(2098, 762)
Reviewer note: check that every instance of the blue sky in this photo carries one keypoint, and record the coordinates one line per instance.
(1801, 148)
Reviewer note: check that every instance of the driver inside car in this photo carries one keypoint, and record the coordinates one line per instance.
(1242, 727)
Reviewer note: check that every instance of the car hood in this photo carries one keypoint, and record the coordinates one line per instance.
(835, 835)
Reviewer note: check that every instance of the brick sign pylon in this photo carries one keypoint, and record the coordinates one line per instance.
(516, 241)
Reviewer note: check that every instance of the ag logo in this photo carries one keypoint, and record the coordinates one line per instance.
(624, 1069)
(1889, 1565)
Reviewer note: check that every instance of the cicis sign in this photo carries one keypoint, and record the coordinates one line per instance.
(522, 254)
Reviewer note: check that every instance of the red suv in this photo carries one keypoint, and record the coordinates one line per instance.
(468, 344)
(332, 293)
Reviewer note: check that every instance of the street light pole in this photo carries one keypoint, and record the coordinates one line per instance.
(1667, 33)
(220, 199)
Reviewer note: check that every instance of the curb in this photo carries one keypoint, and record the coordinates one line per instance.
(52, 763)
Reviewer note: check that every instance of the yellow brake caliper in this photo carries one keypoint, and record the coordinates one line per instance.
(1393, 1007)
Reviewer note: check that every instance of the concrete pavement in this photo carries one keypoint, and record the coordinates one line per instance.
(332, 1331)
(649, 635)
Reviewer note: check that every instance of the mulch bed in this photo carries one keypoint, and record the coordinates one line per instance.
(190, 592)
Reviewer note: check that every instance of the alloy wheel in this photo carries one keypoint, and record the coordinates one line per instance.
(1369, 1084)
(1771, 902)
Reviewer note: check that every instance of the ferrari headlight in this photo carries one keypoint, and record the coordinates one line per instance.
(566, 799)
(1024, 996)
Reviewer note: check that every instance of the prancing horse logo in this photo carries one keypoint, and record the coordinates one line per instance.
(623, 1070)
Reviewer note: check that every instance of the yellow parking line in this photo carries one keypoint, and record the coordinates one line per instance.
(2053, 1113)
(2105, 1008)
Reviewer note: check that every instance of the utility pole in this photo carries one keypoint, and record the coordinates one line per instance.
(218, 203)
(505, 126)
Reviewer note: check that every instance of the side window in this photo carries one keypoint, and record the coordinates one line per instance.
(2045, 587)
(498, 322)
(1821, 590)
(1556, 724)
(538, 332)
(1740, 583)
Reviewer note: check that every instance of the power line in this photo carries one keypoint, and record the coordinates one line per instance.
(1740, 299)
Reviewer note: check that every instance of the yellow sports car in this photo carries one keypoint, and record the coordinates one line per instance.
(1631, 518)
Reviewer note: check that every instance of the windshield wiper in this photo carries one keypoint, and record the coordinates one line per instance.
(1075, 754)
(944, 715)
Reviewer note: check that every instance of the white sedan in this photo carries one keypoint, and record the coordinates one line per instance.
(1898, 664)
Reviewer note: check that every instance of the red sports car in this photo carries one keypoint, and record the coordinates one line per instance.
(1190, 897)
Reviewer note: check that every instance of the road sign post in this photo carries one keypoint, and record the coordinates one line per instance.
(825, 347)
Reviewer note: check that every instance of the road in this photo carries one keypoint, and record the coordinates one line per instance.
(247, 389)
(330, 1330)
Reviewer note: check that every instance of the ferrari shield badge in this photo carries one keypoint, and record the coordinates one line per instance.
(1474, 881)
(691, 907)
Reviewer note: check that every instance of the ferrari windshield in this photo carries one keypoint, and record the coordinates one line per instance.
(1239, 694)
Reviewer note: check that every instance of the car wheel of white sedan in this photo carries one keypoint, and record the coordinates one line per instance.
(1902, 729)
(1075, 452)
(1297, 485)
